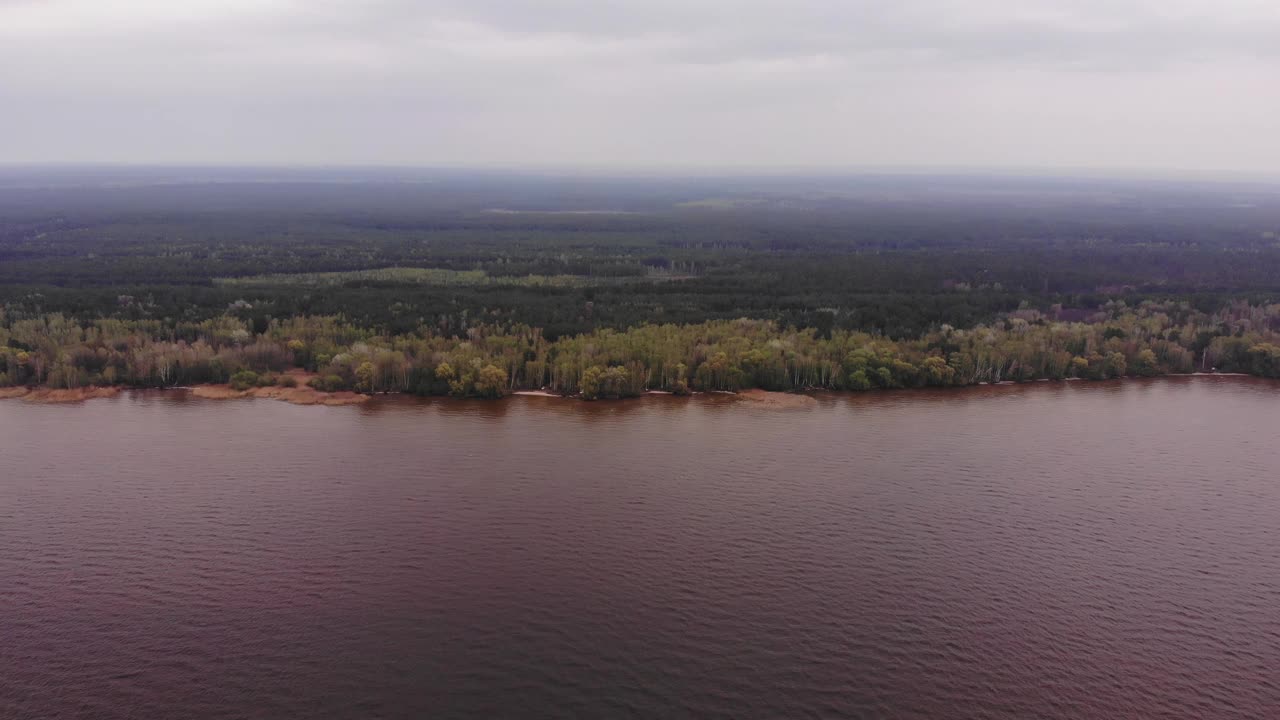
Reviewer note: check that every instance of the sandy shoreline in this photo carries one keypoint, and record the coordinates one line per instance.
(300, 395)
(778, 400)
(764, 398)
(303, 394)
(549, 394)
(294, 395)
(53, 396)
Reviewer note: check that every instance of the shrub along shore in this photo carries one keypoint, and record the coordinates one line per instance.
(58, 353)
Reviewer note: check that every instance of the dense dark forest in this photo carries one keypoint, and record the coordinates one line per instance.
(426, 280)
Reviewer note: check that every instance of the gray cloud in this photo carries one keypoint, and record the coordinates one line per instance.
(1179, 83)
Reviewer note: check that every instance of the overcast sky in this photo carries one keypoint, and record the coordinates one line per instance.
(1146, 84)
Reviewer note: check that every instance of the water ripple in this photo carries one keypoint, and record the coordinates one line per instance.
(1070, 551)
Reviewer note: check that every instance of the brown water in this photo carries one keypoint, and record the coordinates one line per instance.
(1049, 551)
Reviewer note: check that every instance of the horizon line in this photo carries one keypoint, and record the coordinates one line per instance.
(623, 170)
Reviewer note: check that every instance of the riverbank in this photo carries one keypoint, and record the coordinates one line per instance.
(778, 400)
(767, 398)
(296, 396)
(55, 396)
(303, 394)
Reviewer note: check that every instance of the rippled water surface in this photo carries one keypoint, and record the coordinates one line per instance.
(1050, 551)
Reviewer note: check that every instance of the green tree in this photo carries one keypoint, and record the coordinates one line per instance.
(365, 374)
(858, 380)
(1116, 365)
(1264, 360)
(590, 383)
(1147, 365)
(244, 380)
(1079, 367)
(936, 371)
(491, 382)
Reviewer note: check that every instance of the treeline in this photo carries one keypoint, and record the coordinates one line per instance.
(490, 360)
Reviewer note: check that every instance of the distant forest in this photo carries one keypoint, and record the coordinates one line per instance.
(421, 281)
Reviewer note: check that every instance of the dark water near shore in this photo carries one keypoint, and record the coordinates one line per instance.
(1053, 551)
